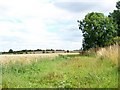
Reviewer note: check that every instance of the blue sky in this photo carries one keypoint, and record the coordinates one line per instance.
(46, 24)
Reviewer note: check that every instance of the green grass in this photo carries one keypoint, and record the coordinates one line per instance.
(61, 72)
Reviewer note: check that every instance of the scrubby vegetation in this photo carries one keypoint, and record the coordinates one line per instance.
(63, 71)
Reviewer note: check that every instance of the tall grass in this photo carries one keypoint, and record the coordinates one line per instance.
(61, 72)
(111, 53)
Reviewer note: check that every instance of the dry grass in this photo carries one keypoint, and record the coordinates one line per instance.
(27, 58)
(110, 52)
(61, 72)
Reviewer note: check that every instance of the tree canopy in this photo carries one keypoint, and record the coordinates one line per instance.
(10, 51)
(116, 16)
(118, 5)
(98, 30)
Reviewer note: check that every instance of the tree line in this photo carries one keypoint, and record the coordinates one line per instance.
(100, 30)
(11, 51)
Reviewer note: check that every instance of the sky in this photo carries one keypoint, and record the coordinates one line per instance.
(46, 24)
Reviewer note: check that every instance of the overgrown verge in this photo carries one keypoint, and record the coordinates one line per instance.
(69, 71)
(111, 53)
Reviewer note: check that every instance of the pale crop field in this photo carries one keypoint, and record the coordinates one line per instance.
(27, 58)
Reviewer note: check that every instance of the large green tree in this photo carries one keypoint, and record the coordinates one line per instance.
(116, 16)
(98, 30)
(118, 5)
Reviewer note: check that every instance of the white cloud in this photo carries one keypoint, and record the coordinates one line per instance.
(106, 1)
(27, 24)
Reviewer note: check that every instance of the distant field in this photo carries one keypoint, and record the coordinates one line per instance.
(26, 58)
(58, 71)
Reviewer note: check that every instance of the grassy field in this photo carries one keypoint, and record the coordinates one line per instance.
(60, 71)
(94, 70)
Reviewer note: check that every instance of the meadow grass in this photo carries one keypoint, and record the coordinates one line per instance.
(63, 71)
(111, 52)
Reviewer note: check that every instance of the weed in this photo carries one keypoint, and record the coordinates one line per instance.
(69, 71)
